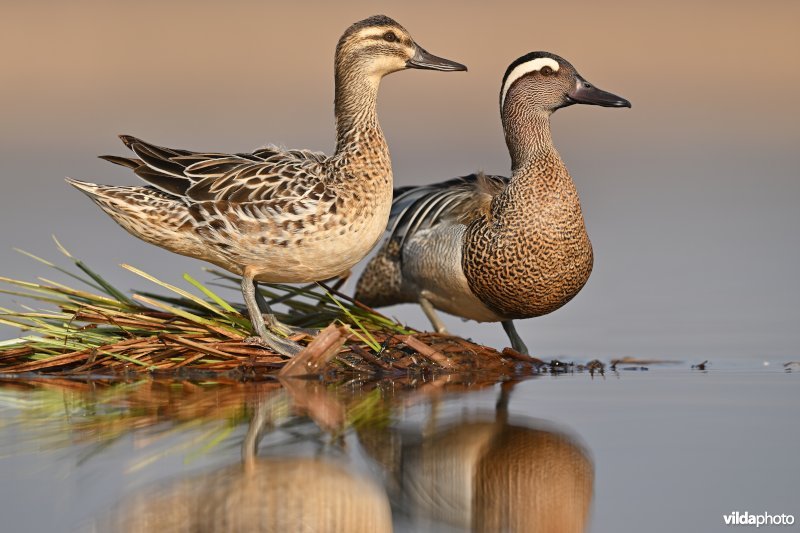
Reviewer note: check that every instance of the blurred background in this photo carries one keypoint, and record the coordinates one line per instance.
(690, 198)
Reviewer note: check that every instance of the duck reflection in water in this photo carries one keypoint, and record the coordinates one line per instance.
(275, 494)
(489, 472)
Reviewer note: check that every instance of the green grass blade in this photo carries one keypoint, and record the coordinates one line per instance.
(369, 342)
(106, 286)
(127, 359)
(60, 269)
(38, 297)
(58, 343)
(176, 290)
(185, 314)
(375, 345)
(199, 286)
(60, 288)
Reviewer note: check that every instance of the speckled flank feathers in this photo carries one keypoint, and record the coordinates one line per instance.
(490, 248)
(271, 210)
(277, 215)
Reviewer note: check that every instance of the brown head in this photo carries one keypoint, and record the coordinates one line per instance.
(378, 46)
(546, 82)
(369, 50)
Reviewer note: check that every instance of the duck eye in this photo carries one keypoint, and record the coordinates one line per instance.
(546, 71)
(389, 36)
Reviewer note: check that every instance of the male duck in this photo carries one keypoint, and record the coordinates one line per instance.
(490, 248)
(278, 215)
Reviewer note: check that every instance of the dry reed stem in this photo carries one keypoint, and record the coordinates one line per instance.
(203, 348)
(313, 358)
(426, 351)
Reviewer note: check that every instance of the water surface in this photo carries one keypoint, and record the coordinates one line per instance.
(662, 449)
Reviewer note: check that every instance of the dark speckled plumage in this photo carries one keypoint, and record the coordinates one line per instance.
(490, 248)
(530, 254)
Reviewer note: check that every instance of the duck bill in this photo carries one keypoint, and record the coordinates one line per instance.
(586, 93)
(426, 60)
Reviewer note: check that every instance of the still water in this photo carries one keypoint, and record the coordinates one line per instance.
(663, 449)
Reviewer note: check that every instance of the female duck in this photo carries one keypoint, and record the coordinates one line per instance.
(278, 215)
(489, 248)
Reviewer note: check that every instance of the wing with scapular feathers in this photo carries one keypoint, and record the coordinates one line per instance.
(458, 200)
(414, 210)
(265, 175)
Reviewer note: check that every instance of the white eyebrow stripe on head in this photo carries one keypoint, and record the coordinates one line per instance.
(374, 32)
(526, 68)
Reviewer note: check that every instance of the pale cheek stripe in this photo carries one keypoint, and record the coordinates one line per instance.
(526, 68)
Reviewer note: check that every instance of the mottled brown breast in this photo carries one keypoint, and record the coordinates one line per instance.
(531, 254)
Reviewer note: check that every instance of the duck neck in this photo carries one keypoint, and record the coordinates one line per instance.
(357, 129)
(539, 175)
(528, 138)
